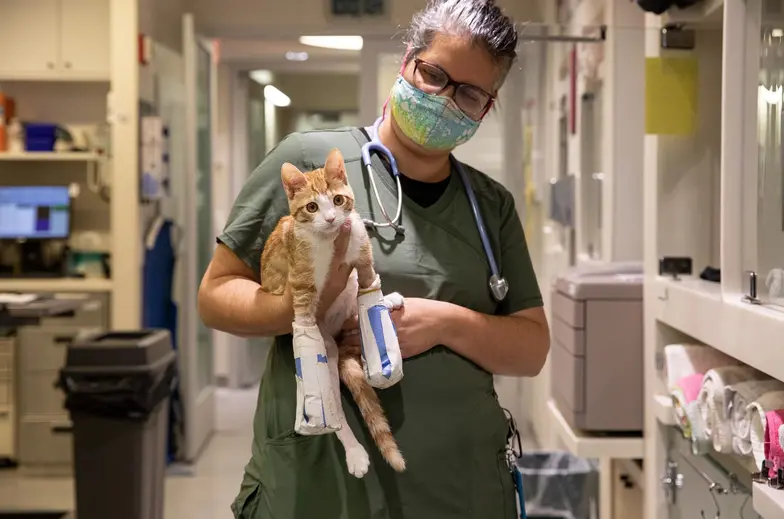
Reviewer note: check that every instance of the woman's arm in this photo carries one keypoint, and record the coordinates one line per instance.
(514, 345)
(231, 299)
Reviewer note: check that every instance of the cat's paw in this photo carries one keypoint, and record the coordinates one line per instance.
(357, 460)
(394, 301)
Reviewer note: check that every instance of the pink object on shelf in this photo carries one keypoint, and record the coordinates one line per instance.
(773, 449)
(691, 385)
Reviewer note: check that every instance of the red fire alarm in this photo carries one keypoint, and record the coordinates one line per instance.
(145, 49)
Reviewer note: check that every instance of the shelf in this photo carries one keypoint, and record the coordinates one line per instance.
(55, 285)
(768, 502)
(662, 409)
(705, 12)
(753, 335)
(750, 333)
(36, 156)
(587, 445)
(690, 305)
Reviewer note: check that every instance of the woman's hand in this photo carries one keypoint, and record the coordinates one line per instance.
(418, 327)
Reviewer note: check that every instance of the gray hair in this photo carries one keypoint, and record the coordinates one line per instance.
(480, 20)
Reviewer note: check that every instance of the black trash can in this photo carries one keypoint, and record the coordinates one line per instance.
(558, 485)
(117, 388)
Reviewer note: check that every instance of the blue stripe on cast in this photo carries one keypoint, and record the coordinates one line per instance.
(375, 316)
(298, 367)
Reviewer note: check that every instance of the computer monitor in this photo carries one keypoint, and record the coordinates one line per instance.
(35, 212)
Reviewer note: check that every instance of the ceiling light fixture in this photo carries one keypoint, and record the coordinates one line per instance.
(333, 42)
(275, 96)
(296, 56)
(261, 76)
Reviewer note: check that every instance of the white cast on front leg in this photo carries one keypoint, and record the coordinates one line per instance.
(380, 348)
(316, 406)
(357, 458)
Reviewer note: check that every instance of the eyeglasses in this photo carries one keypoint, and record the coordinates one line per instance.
(473, 101)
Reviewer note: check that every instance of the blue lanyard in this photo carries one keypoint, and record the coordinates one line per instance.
(514, 451)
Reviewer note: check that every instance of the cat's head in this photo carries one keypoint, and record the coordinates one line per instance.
(321, 199)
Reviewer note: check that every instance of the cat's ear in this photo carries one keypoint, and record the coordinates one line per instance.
(293, 179)
(335, 167)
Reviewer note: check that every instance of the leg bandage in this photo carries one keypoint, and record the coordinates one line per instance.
(380, 348)
(317, 411)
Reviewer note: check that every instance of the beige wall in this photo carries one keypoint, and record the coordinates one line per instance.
(162, 20)
(315, 92)
(320, 91)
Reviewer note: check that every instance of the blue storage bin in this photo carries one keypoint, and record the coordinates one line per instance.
(40, 136)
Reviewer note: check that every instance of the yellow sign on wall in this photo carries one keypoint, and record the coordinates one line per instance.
(671, 95)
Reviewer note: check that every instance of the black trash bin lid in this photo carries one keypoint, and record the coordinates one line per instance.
(123, 351)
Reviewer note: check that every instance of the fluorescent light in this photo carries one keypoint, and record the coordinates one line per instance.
(773, 95)
(262, 77)
(333, 42)
(296, 56)
(275, 96)
(777, 33)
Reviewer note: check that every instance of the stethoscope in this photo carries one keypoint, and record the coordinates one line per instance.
(498, 285)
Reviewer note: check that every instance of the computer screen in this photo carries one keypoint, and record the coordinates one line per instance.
(34, 212)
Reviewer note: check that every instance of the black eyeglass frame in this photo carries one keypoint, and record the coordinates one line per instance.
(450, 82)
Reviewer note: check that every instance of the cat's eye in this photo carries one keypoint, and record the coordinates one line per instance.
(338, 200)
(311, 207)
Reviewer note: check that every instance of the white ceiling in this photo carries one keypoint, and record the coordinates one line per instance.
(271, 54)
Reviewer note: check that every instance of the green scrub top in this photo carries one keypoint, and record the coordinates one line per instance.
(444, 413)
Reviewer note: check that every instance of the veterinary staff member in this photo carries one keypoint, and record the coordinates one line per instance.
(454, 335)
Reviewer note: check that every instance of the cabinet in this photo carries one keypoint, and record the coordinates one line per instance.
(54, 40)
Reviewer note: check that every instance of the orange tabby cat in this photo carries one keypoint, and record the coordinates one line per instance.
(299, 252)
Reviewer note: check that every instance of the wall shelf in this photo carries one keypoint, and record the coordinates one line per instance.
(690, 305)
(705, 12)
(55, 285)
(36, 156)
(587, 445)
(750, 333)
(768, 502)
(662, 406)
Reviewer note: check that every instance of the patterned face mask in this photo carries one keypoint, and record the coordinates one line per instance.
(432, 121)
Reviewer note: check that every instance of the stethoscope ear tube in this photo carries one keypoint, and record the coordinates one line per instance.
(497, 283)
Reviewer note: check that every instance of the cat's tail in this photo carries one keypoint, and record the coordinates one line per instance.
(353, 376)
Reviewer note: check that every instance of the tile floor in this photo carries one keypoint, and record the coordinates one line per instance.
(205, 495)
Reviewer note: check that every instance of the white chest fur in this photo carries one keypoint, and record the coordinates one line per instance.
(322, 249)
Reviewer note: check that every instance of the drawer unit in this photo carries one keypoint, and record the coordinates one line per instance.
(7, 391)
(43, 424)
(597, 350)
(45, 442)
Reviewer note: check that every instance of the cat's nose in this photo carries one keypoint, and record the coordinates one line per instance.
(329, 219)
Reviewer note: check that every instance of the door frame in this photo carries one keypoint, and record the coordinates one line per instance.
(199, 403)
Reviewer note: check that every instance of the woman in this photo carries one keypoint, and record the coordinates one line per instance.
(453, 335)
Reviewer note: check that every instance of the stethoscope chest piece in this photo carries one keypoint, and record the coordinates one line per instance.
(499, 287)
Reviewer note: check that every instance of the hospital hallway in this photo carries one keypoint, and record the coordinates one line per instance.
(205, 492)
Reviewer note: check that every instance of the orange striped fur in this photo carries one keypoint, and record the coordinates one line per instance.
(298, 252)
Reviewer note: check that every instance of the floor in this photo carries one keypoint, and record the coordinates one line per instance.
(205, 495)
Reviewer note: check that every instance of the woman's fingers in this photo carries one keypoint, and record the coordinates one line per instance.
(351, 324)
(341, 245)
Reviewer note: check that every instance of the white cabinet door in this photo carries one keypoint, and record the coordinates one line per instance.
(84, 26)
(29, 37)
